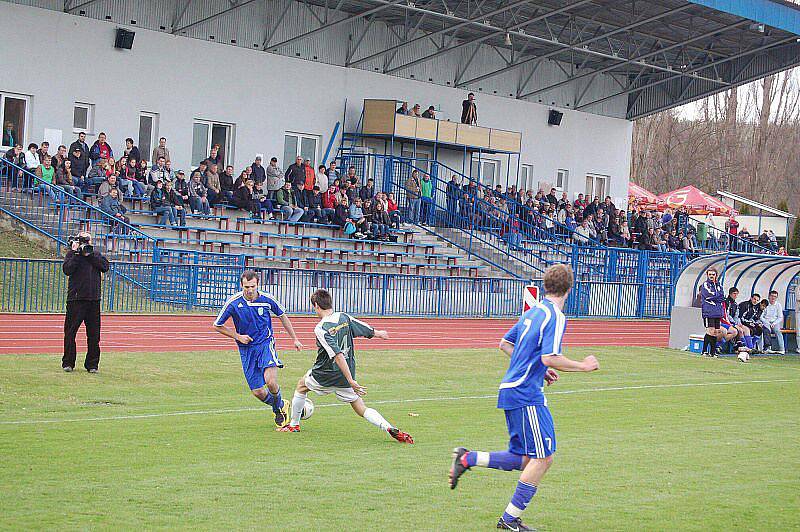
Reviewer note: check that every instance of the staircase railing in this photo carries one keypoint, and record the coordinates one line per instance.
(53, 212)
(719, 240)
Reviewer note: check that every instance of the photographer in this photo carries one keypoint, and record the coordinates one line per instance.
(83, 265)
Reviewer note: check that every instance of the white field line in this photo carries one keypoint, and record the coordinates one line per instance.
(391, 401)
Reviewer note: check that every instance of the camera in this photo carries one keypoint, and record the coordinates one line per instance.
(84, 247)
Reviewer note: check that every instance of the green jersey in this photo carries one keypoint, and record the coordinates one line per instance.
(335, 335)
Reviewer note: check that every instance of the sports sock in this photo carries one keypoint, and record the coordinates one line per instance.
(748, 342)
(713, 342)
(496, 460)
(376, 419)
(277, 400)
(268, 400)
(706, 342)
(522, 496)
(298, 403)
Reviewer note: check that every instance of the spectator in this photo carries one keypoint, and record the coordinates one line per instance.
(358, 218)
(170, 175)
(430, 113)
(287, 204)
(80, 144)
(159, 203)
(392, 210)
(580, 203)
(158, 172)
(215, 157)
(143, 174)
(329, 200)
(9, 134)
(322, 178)
(212, 184)
(203, 168)
(109, 183)
(47, 175)
(78, 167)
(413, 188)
(161, 150)
(32, 162)
(245, 198)
(100, 150)
(681, 218)
(60, 156)
(275, 178)
(182, 189)
(427, 206)
(453, 192)
(65, 180)
(367, 192)
(667, 220)
(403, 110)
(112, 205)
(332, 172)
(259, 172)
(175, 202)
(782, 253)
(582, 233)
(342, 213)
(763, 239)
(673, 242)
(772, 323)
(198, 195)
(415, 111)
(551, 198)
(226, 184)
(15, 156)
(380, 221)
(131, 151)
(315, 211)
(44, 150)
(129, 179)
(469, 110)
(351, 176)
(310, 181)
(686, 241)
(732, 228)
(296, 173)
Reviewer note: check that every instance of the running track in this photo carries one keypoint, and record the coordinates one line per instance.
(43, 333)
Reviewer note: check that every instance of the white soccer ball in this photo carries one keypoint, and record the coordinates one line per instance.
(308, 409)
(743, 356)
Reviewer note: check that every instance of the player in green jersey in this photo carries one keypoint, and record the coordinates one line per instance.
(334, 371)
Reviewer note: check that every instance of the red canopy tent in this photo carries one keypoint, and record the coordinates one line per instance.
(697, 201)
(641, 195)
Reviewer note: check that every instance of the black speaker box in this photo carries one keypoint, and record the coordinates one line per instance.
(124, 39)
(554, 118)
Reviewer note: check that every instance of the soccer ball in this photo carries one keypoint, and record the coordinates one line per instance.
(308, 409)
(743, 356)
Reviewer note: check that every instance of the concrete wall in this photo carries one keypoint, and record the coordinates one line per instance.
(58, 59)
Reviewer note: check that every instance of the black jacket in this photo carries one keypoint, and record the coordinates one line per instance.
(296, 175)
(84, 275)
(749, 314)
(226, 182)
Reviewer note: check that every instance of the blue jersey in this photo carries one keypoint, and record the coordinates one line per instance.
(251, 318)
(538, 333)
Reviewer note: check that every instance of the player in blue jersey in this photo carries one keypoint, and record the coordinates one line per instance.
(534, 345)
(251, 310)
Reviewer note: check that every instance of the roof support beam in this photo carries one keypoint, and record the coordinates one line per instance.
(579, 45)
(640, 60)
(699, 68)
(77, 8)
(472, 20)
(213, 17)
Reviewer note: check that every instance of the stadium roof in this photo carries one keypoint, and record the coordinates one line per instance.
(622, 58)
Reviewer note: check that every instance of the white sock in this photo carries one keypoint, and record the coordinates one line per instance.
(376, 419)
(298, 403)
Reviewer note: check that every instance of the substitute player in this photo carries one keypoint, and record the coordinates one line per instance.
(251, 310)
(534, 345)
(335, 368)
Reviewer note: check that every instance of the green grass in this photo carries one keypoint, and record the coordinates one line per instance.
(710, 457)
(13, 244)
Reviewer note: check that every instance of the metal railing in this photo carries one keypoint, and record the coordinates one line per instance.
(57, 214)
(33, 285)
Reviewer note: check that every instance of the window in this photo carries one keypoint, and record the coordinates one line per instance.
(562, 179)
(148, 133)
(525, 176)
(205, 134)
(82, 117)
(422, 159)
(14, 119)
(484, 171)
(596, 185)
(300, 144)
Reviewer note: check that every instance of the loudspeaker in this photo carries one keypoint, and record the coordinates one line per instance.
(124, 39)
(554, 118)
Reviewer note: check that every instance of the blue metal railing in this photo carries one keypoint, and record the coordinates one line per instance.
(57, 214)
(31, 285)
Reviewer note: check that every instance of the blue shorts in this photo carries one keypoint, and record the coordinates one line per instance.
(255, 359)
(531, 431)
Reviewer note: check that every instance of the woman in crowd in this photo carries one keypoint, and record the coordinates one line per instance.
(160, 205)
(176, 203)
(65, 180)
(244, 198)
(198, 195)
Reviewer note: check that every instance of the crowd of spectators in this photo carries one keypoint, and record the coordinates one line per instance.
(300, 193)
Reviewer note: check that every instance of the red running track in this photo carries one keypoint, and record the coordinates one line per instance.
(43, 333)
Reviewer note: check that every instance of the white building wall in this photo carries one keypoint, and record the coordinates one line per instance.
(59, 59)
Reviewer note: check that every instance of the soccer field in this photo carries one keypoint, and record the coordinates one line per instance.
(655, 440)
